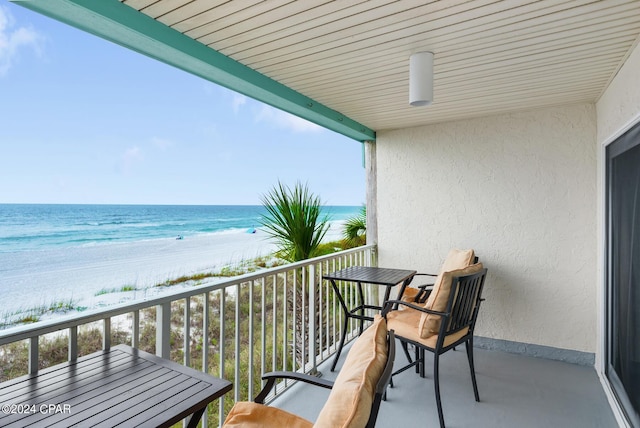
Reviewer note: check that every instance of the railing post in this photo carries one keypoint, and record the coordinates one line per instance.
(73, 343)
(221, 348)
(106, 336)
(236, 389)
(163, 329)
(251, 339)
(373, 256)
(187, 331)
(33, 354)
(135, 330)
(206, 313)
(311, 283)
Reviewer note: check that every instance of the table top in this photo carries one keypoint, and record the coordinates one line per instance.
(120, 386)
(371, 275)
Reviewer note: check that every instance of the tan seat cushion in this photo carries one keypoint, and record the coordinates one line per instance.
(409, 295)
(456, 259)
(430, 324)
(349, 403)
(405, 324)
(249, 414)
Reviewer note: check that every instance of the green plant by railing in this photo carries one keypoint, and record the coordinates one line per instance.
(293, 220)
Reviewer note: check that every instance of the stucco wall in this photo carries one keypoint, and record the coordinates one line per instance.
(518, 188)
(618, 108)
(620, 103)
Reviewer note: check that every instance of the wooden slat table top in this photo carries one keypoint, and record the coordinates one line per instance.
(120, 387)
(371, 275)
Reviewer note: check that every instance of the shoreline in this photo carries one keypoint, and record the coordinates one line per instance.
(77, 274)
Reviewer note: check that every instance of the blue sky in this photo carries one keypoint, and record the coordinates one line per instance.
(83, 120)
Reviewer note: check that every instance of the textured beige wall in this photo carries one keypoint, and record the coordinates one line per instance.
(620, 103)
(518, 188)
(618, 108)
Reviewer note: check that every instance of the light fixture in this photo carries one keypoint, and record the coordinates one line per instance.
(421, 79)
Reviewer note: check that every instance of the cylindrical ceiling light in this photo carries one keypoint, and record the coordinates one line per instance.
(421, 79)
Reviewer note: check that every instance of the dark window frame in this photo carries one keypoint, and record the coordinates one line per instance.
(623, 144)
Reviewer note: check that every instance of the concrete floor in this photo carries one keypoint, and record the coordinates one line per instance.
(515, 391)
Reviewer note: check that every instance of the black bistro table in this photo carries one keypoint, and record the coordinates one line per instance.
(122, 386)
(366, 275)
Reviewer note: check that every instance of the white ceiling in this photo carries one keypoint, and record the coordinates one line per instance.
(353, 55)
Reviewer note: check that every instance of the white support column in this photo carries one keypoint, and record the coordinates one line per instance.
(372, 191)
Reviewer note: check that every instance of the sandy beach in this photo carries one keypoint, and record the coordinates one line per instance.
(29, 279)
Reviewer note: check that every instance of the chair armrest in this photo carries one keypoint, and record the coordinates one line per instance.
(390, 303)
(424, 285)
(427, 274)
(423, 294)
(271, 378)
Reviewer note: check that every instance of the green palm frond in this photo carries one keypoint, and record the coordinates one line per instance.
(355, 229)
(294, 220)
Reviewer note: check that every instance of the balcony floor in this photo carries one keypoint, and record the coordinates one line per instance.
(515, 390)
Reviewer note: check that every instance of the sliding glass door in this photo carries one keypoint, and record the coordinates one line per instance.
(623, 271)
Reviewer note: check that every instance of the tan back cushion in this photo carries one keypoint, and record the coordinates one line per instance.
(456, 259)
(350, 400)
(430, 324)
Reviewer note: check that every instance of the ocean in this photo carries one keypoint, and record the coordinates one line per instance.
(85, 254)
(31, 227)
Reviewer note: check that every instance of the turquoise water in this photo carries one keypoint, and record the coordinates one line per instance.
(59, 253)
(27, 227)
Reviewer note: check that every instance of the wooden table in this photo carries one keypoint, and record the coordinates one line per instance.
(367, 275)
(120, 386)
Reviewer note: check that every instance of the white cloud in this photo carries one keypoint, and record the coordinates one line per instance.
(284, 120)
(237, 102)
(14, 40)
(161, 143)
(129, 158)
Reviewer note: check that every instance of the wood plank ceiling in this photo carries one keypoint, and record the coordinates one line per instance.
(353, 55)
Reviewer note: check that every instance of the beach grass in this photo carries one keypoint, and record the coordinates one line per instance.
(122, 289)
(229, 270)
(54, 349)
(34, 314)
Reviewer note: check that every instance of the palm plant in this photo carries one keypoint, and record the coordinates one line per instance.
(355, 229)
(294, 220)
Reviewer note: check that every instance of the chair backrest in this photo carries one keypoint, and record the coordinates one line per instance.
(355, 397)
(464, 303)
(382, 384)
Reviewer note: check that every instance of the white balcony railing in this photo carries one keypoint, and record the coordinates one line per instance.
(236, 329)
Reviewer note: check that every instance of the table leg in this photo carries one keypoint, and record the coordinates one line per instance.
(195, 418)
(342, 337)
(361, 310)
(345, 309)
(400, 293)
(386, 294)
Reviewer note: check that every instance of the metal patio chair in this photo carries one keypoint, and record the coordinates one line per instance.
(446, 320)
(355, 395)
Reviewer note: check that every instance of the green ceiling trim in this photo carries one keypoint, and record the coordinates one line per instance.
(121, 24)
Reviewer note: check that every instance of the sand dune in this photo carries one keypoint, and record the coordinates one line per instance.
(29, 279)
